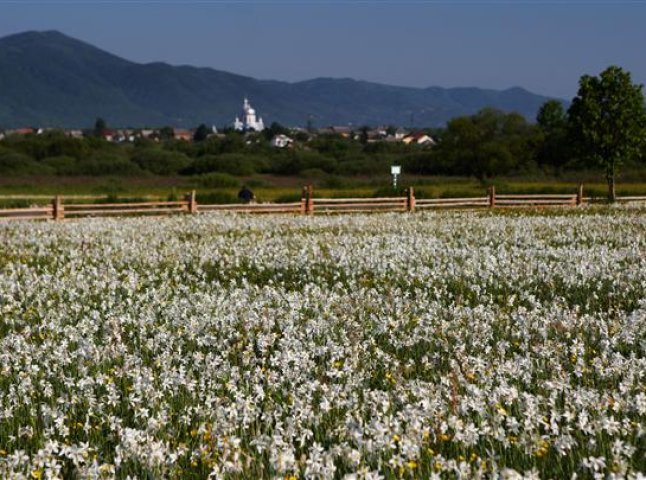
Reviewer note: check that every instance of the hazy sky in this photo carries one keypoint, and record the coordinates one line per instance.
(544, 46)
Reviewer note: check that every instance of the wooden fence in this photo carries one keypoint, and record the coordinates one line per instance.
(309, 205)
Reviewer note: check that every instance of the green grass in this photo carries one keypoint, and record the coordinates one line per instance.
(39, 190)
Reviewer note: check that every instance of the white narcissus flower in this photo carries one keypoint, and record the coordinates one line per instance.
(472, 344)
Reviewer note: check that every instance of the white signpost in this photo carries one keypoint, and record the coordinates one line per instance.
(395, 170)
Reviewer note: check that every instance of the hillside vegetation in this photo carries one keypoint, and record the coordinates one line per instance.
(484, 146)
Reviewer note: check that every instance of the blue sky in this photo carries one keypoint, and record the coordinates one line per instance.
(544, 46)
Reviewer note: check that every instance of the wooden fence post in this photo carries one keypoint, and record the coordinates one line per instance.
(58, 212)
(310, 200)
(304, 200)
(192, 202)
(579, 195)
(410, 200)
(492, 196)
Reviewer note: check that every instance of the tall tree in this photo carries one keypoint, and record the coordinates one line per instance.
(552, 123)
(201, 133)
(551, 116)
(608, 120)
(99, 127)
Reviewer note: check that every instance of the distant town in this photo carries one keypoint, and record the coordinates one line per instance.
(247, 122)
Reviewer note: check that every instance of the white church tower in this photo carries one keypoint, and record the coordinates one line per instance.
(249, 120)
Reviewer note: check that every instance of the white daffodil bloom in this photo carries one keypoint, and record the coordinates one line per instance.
(434, 345)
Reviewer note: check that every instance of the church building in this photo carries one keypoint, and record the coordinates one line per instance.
(249, 121)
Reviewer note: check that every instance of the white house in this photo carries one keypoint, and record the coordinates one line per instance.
(418, 139)
(281, 141)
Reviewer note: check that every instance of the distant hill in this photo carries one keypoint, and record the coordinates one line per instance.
(51, 80)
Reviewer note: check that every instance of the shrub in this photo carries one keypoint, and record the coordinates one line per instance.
(297, 162)
(218, 180)
(108, 163)
(256, 182)
(14, 163)
(62, 165)
(161, 162)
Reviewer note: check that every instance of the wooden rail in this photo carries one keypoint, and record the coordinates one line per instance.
(253, 208)
(359, 205)
(308, 205)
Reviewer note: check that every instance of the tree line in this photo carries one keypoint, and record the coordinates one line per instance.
(604, 127)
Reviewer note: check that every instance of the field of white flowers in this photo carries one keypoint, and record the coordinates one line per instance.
(453, 345)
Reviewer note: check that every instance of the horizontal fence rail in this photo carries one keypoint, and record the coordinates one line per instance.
(428, 203)
(308, 205)
(359, 205)
(253, 208)
(102, 209)
(44, 213)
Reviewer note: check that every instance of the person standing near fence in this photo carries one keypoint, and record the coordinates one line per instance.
(245, 195)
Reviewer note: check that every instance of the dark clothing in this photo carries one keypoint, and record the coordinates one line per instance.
(245, 195)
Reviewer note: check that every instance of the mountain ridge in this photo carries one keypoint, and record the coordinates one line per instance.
(52, 80)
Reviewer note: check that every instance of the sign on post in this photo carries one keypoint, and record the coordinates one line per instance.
(395, 170)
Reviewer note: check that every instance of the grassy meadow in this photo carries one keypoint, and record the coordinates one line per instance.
(25, 191)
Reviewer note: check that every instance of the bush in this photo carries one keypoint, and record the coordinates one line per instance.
(256, 183)
(218, 180)
(161, 162)
(62, 165)
(14, 163)
(108, 163)
(296, 162)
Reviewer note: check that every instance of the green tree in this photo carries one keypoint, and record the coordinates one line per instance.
(551, 116)
(166, 133)
(201, 133)
(275, 129)
(486, 144)
(99, 126)
(552, 123)
(608, 120)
